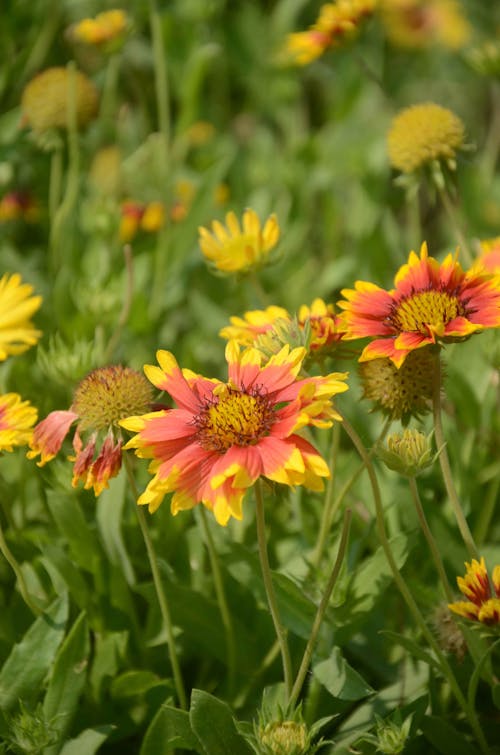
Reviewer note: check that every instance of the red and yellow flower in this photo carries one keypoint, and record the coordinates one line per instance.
(101, 400)
(418, 24)
(489, 257)
(221, 437)
(431, 303)
(17, 418)
(108, 26)
(483, 602)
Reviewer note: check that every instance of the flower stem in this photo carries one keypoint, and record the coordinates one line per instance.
(281, 633)
(9, 557)
(406, 594)
(445, 463)
(160, 592)
(306, 658)
(452, 217)
(55, 180)
(430, 540)
(127, 303)
(221, 599)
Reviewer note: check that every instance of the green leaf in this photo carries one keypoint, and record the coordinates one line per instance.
(88, 742)
(30, 660)
(169, 729)
(413, 648)
(213, 723)
(476, 675)
(109, 517)
(340, 679)
(445, 737)
(67, 680)
(133, 683)
(70, 521)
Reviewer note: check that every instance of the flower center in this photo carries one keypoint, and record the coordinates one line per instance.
(425, 311)
(234, 418)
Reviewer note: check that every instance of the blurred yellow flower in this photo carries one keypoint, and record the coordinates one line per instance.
(17, 305)
(424, 133)
(153, 217)
(422, 23)
(17, 418)
(19, 205)
(44, 102)
(108, 26)
(489, 257)
(239, 248)
(246, 329)
(336, 22)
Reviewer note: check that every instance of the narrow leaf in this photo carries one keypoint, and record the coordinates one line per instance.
(88, 742)
(212, 722)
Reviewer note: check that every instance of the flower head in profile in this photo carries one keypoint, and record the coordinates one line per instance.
(17, 418)
(104, 30)
(424, 134)
(221, 437)
(101, 400)
(17, 305)
(236, 247)
(431, 303)
(336, 22)
(483, 602)
(44, 101)
(416, 24)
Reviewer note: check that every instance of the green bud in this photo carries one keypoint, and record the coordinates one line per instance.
(408, 453)
(66, 364)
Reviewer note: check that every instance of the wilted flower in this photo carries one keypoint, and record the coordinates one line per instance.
(423, 23)
(17, 418)
(402, 392)
(236, 248)
(432, 303)
(17, 305)
(44, 101)
(483, 603)
(224, 436)
(101, 400)
(336, 22)
(424, 134)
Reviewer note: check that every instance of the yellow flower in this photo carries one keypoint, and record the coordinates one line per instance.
(237, 248)
(422, 23)
(336, 22)
(44, 101)
(154, 217)
(106, 27)
(17, 418)
(421, 134)
(17, 332)
(483, 603)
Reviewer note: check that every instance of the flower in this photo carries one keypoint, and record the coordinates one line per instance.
(336, 22)
(402, 392)
(19, 205)
(17, 418)
(422, 134)
(137, 216)
(17, 332)
(238, 249)
(324, 326)
(101, 400)
(222, 437)
(430, 304)
(106, 27)
(44, 101)
(481, 604)
(489, 257)
(422, 23)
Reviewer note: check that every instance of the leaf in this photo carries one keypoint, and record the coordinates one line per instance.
(340, 679)
(133, 683)
(212, 722)
(413, 648)
(67, 680)
(109, 517)
(446, 738)
(73, 526)
(476, 675)
(169, 729)
(88, 741)
(30, 659)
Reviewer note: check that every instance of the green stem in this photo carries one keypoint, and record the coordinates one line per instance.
(320, 613)
(9, 557)
(127, 303)
(445, 463)
(430, 540)
(160, 592)
(406, 594)
(281, 633)
(329, 508)
(55, 181)
(451, 211)
(487, 510)
(44, 39)
(108, 99)
(414, 222)
(221, 599)
(72, 179)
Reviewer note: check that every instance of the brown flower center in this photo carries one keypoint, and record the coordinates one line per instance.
(234, 418)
